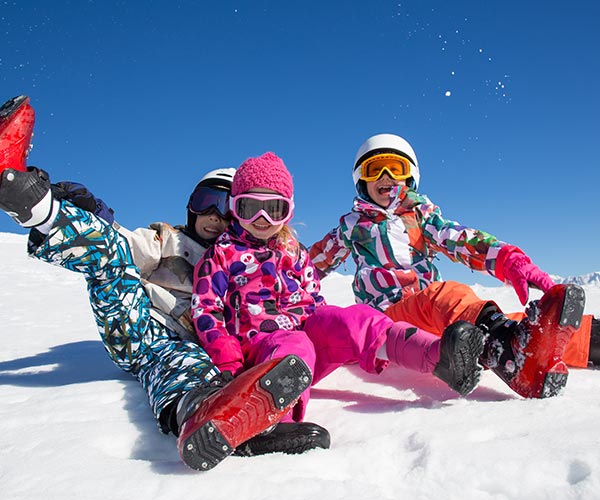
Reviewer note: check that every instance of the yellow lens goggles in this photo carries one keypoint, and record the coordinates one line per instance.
(397, 167)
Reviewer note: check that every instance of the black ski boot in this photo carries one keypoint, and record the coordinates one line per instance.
(286, 437)
(528, 355)
(460, 349)
(26, 196)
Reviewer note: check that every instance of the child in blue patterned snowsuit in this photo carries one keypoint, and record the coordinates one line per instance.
(136, 340)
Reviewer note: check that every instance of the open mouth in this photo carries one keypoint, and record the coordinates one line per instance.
(212, 230)
(261, 227)
(385, 190)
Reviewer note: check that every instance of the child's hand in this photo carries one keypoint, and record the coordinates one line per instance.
(515, 267)
(82, 197)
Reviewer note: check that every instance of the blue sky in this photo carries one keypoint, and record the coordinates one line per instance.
(500, 101)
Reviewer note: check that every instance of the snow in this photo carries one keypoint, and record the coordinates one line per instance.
(73, 426)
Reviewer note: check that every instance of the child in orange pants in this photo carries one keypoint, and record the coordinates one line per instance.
(395, 233)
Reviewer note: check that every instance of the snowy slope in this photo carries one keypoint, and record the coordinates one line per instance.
(73, 426)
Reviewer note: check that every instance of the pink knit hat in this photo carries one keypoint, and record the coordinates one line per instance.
(267, 171)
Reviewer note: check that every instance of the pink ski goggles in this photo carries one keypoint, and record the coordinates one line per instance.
(248, 207)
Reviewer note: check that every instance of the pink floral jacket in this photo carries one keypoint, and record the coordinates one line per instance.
(243, 286)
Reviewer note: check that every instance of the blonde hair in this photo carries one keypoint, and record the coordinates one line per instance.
(287, 238)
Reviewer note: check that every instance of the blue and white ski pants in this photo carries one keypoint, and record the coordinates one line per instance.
(165, 365)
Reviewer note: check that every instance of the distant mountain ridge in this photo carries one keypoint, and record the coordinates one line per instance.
(592, 279)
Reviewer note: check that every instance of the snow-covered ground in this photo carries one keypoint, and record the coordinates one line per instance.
(73, 426)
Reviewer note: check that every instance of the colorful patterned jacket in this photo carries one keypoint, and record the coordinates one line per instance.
(243, 286)
(394, 248)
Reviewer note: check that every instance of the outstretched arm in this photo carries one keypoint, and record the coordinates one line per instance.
(481, 251)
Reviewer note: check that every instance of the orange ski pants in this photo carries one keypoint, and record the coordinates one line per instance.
(445, 302)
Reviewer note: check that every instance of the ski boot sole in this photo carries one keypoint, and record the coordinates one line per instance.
(205, 448)
(573, 306)
(555, 380)
(251, 403)
(10, 106)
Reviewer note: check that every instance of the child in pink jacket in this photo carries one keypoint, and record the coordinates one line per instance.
(256, 290)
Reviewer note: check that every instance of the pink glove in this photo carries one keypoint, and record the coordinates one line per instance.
(226, 353)
(514, 267)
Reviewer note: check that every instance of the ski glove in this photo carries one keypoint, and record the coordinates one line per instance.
(82, 197)
(513, 266)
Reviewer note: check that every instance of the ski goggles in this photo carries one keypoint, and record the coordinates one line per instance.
(248, 207)
(397, 167)
(205, 198)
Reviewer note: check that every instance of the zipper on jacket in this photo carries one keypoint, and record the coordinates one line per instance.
(236, 323)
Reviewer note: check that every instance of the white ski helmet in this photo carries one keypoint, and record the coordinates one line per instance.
(220, 177)
(386, 143)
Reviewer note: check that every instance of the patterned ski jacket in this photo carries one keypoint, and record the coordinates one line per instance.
(166, 257)
(394, 248)
(243, 286)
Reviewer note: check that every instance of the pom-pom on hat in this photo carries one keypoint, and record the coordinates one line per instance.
(266, 171)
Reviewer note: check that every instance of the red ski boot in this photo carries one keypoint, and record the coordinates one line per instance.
(16, 129)
(214, 424)
(528, 355)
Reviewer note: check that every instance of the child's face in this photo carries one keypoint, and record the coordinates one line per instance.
(380, 190)
(210, 226)
(261, 228)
